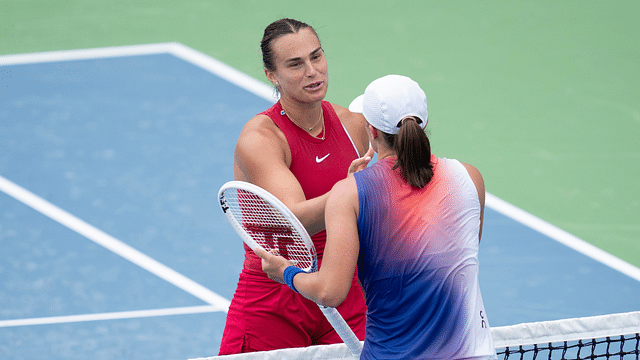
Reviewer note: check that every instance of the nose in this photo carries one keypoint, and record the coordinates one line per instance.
(310, 69)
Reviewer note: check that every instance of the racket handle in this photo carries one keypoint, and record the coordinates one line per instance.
(343, 330)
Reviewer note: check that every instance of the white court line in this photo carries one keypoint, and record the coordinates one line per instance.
(110, 316)
(183, 52)
(86, 54)
(561, 236)
(99, 237)
(224, 71)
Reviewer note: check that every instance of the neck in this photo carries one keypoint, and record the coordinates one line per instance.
(386, 154)
(380, 146)
(307, 118)
(305, 115)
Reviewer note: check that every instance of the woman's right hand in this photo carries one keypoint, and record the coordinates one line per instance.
(361, 163)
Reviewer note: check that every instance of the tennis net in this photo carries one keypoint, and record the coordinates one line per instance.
(615, 336)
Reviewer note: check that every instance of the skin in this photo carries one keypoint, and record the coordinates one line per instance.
(262, 155)
(330, 285)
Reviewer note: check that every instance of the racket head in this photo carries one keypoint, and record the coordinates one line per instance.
(263, 221)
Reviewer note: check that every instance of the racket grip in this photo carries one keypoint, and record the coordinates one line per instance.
(343, 330)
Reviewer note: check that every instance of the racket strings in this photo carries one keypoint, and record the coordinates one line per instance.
(269, 228)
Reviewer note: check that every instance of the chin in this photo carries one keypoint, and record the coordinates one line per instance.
(319, 94)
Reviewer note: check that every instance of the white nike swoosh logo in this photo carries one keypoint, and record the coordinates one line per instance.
(319, 160)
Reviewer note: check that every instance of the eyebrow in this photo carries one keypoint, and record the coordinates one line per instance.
(295, 59)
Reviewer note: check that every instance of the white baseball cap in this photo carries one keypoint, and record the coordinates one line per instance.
(388, 100)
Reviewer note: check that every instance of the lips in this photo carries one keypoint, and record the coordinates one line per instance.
(314, 86)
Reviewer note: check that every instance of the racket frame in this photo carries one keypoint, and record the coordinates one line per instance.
(294, 223)
(332, 315)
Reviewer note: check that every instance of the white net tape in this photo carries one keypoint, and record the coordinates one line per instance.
(522, 334)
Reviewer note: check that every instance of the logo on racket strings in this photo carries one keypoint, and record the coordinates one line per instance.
(272, 237)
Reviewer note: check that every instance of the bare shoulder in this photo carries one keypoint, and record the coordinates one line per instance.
(479, 183)
(345, 185)
(260, 144)
(355, 124)
(477, 180)
(260, 131)
(473, 172)
(343, 194)
(347, 116)
(260, 126)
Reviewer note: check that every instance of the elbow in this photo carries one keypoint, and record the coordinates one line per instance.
(331, 298)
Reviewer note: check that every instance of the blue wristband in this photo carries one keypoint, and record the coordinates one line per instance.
(288, 275)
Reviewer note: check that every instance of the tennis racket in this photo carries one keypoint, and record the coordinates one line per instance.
(263, 221)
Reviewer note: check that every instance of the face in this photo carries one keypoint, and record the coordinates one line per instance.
(301, 68)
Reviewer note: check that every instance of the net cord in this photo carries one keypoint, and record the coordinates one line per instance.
(592, 327)
(545, 332)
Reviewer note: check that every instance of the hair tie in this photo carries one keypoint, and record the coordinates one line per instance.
(417, 120)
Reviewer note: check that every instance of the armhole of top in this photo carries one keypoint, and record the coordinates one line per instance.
(350, 139)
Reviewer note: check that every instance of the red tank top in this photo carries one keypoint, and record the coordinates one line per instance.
(317, 164)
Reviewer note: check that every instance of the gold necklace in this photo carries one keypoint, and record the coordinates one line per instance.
(321, 117)
(323, 131)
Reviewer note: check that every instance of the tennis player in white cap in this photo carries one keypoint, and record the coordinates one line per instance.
(412, 224)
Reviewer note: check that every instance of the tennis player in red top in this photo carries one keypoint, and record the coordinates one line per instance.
(297, 150)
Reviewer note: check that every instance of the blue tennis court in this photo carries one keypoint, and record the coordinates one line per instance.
(113, 245)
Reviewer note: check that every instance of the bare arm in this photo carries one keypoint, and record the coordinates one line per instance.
(330, 285)
(262, 157)
(479, 183)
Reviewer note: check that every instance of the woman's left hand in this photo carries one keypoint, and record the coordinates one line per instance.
(273, 264)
